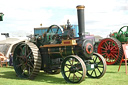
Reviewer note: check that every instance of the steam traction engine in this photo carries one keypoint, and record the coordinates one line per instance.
(111, 48)
(54, 53)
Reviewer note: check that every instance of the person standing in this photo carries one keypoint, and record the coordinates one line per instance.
(11, 59)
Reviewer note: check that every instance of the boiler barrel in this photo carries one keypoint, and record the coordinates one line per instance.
(81, 24)
(61, 51)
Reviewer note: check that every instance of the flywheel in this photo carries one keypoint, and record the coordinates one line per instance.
(27, 60)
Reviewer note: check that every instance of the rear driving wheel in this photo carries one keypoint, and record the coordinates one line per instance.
(26, 60)
(111, 50)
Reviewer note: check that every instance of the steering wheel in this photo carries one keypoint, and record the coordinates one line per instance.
(55, 26)
(121, 30)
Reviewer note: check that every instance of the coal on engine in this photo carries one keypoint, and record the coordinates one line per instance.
(54, 53)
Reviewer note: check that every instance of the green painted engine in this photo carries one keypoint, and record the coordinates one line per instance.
(122, 34)
(55, 52)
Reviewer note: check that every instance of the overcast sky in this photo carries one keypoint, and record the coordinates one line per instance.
(101, 16)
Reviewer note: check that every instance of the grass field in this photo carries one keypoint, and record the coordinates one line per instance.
(111, 77)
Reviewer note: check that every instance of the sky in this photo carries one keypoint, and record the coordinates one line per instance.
(101, 16)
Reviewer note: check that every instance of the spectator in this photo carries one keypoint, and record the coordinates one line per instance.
(11, 59)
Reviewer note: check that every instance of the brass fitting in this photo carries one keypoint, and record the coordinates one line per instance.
(80, 7)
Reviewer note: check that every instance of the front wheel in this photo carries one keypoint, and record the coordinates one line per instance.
(99, 65)
(73, 69)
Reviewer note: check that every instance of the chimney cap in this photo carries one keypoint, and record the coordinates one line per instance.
(80, 7)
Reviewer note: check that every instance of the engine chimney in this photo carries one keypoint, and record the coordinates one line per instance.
(80, 14)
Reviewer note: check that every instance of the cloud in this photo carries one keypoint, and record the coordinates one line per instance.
(24, 15)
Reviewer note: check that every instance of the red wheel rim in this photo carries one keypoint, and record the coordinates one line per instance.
(109, 49)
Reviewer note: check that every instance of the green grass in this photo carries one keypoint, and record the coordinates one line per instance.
(111, 77)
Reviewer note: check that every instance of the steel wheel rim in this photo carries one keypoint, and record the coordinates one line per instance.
(109, 49)
(23, 61)
(73, 69)
(99, 66)
(32, 60)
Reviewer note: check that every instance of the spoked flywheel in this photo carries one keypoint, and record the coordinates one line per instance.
(27, 60)
(73, 69)
(98, 64)
(111, 50)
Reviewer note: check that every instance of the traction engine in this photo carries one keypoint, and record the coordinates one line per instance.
(54, 53)
(111, 48)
